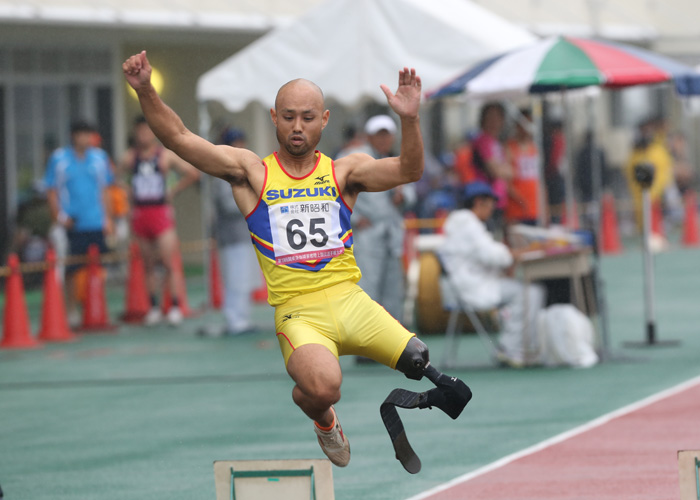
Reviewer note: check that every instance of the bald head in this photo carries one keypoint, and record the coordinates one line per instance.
(299, 117)
(299, 88)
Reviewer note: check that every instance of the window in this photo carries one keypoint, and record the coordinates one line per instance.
(42, 90)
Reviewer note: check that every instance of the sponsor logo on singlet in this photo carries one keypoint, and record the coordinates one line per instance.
(296, 193)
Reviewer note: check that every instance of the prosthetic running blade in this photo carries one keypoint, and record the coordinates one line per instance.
(451, 395)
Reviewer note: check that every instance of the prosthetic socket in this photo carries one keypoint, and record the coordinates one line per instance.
(450, 394)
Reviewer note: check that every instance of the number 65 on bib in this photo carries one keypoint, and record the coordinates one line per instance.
(305, 231)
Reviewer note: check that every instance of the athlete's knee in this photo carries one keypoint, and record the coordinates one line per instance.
(414, 359)
(318, 396)
(321, 391)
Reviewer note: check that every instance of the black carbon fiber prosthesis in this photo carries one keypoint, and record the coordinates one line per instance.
(450, 394)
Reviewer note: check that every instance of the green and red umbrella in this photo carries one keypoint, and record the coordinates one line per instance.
(564, 62)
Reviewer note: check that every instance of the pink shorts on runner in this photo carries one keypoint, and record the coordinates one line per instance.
(151, 221)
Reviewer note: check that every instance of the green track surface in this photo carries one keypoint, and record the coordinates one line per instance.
(143, 413)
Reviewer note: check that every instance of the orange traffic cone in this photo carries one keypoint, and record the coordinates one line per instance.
(95, 313)
(691, 235)
(609, 232)
(216, 289)
(136, 301)
(260, 293)
(15, 327)
(177, 269)
(54, 323)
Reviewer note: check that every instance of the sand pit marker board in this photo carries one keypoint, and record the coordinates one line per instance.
(274, 479)
(689, 474)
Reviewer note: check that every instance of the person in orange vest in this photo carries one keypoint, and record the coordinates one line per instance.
(464, 162)
(524, 185)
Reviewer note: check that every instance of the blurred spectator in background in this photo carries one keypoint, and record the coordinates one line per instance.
(352, 139)
(683, 170)
(589, 158)
(555, 165)
(148, 164)
(32, 233)
(464, 161)
(647, 149)
(524, 184)
(682, 177)
(489, 159)
(76, 179)
(239, 268)
(377, 221)
(480, 266)
(439, 190)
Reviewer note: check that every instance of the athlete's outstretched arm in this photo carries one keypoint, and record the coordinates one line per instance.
(379, 175)
(221, 161)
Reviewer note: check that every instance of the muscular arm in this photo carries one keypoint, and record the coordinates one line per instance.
(232, 164)
(367, 174)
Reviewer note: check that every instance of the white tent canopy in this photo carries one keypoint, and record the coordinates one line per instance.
(350, 47)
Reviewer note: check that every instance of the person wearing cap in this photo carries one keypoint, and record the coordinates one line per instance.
(76, 180)
(239, 268)
(480, 265)
(147, 164)
(377, 221)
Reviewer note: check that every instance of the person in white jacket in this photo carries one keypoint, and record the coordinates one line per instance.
(482, 267)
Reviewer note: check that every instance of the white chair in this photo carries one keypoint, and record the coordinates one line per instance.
(456, 306)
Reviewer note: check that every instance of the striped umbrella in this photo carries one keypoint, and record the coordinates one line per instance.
(564, 62)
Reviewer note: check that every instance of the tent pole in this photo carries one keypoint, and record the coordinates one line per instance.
(205, 196)
(596, 171)
(568, 164)
(596, 206)
(537, 134)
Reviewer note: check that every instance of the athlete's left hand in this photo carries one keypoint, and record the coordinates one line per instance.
(406, 101)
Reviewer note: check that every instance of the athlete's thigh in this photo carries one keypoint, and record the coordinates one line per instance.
(297, 326)
(369, 330)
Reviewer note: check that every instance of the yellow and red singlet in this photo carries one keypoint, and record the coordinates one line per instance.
(301, 231)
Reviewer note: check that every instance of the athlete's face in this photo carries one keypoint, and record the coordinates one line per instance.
(299, 117)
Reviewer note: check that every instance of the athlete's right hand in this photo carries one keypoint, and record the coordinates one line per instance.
(137, 71)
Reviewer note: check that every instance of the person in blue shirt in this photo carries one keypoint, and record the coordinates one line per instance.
(76, 178)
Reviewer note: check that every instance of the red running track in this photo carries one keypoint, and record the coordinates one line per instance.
(628, 454)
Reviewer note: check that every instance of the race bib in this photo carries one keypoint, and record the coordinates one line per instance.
(305, 231)
(148, 184)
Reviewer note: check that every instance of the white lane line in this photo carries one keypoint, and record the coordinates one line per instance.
(561, 437)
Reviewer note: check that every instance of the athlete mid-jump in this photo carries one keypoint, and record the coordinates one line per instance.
(299, 203)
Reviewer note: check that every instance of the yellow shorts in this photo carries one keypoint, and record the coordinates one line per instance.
(345, 320)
